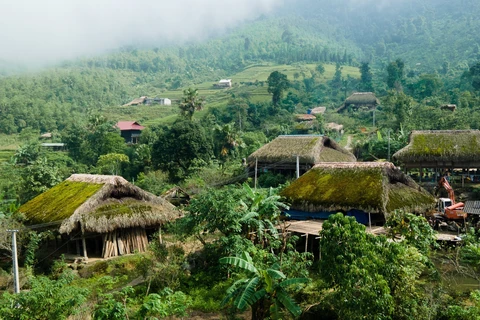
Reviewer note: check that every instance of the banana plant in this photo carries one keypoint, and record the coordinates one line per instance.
(263, 290)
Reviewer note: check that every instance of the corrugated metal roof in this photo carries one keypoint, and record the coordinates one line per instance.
(472, 207)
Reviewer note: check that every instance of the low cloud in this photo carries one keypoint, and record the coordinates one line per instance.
(36, 31)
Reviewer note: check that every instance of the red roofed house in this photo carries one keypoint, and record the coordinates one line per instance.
(130, 130)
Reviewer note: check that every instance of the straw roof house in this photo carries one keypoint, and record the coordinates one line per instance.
(441, 149)
(98, 205)
(369, 187)
(360, 100)
(281, 153)
(136, 102)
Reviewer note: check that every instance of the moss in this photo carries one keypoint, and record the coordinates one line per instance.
(367, 189)
(59, 202)
(125, 208)
(447, 145)
(330, 187)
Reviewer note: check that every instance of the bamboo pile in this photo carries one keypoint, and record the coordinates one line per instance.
(124, 241)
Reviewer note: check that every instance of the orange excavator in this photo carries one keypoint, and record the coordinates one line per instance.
(447, 206)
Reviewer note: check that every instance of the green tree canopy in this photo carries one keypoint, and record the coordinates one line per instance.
(277, 84)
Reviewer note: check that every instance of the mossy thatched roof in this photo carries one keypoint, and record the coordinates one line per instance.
(373, 187)
(441, 146)
(359, 98)
(311, 149)
(97, 203)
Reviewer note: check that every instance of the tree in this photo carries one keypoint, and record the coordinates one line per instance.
(320, 68)
(277, 84)
(395, 74)
(366, 77)
(474, 74)
(38, 177)
(111, 163)
(369, 276)
(190, 103)
(178, 148)
(264, 291)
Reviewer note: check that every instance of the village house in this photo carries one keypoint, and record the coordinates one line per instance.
(144, 100)
(130, 131)
(224, 83)
(281, 154)
(441, 151)
(369, 191)
(101, 216)
(317, 110)
(360, 100)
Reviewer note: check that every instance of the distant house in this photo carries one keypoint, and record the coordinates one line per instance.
(54, 146)
(360, 100)
(334, 127)
(305, 117)
(365, 190)
(305, 123)
(46, 135)
(441, 150)
(105, 215)
(224, 83)
(450, 107)
(136, 102)
(144, 100)
(130, 130)
(317, 110)
(280, 155)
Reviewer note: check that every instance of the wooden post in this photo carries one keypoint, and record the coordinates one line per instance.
(369, 221)
(256, 167)
(298, 166)
(84, 244)
(160, 234)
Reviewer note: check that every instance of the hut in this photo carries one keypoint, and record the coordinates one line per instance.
(284, 153)
(136, 102)
(364, 100)
(130, 131)
(317, 110)
(369, 191)
(106, 213)
(441, 150)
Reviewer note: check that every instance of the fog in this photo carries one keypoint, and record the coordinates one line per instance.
(36, 32)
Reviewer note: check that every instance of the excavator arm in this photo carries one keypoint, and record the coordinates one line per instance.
(444, 183)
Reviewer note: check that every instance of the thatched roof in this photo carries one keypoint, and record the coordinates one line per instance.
(317, 110)
(305, 117)
(446, 146)
(359, 99)
(136, 101)
(311, 149)
(98, 203)
(375, 187)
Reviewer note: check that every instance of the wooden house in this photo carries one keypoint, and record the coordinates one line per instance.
(105, 215)
(130, 131)
(360, 100)
(224, 83)
(136, 102)
(441, 150)
(280, 155)
(369, 191)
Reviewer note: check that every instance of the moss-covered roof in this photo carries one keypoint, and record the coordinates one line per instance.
(311, 149)
(59, 202)
(371, 187)
(441, 146)
(358, 98)
(99, 204)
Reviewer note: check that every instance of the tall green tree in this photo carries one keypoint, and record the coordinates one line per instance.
(190, 103)
(180, 147)
(366, 77)
(277, 84)
(396, 74)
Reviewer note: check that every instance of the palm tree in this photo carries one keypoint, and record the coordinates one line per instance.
(190, 103)
(264, 291)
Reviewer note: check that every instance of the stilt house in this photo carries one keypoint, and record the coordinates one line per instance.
(105, 215)
(369, 191)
